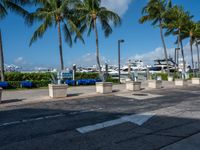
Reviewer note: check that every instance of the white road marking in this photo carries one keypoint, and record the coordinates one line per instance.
(100, 126)
(138, 119)
(10, 123)
(45, 117)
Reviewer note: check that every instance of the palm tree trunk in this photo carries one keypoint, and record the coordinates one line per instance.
(164, 46)
(192, 59)
(198, 59)
(182, 52)
(97, 46)
(1, 58)
(60, 46)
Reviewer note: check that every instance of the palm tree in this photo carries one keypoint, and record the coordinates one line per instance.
(197, 42)
(155, 11)
(91, 11)
(58, 12)
(176, 21)
(5, 5)
(192, 30)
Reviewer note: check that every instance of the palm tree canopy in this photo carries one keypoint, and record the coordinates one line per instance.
(155, 11)
(177, 18)
(13, 5)
(192, 30)
(91, 10)
(52, 12)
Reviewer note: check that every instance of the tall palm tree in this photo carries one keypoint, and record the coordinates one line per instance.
(176, 21)
(5, 5)
(155, 11)
(91, 11)
(192, 30)
(197, 42)
(58, 12)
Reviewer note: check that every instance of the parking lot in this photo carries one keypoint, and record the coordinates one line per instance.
(167, 119)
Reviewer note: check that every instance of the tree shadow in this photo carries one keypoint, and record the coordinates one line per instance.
(11, 101)
(74, 94)
(45, 127)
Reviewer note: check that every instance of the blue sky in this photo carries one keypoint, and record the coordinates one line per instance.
(141, 41)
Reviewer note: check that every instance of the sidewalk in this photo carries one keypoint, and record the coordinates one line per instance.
(18, 97)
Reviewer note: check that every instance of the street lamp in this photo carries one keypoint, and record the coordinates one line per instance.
(119, 42)
(176, 55)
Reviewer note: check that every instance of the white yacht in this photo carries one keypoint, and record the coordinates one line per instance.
(160, 65)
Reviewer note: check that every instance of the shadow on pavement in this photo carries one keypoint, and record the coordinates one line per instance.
(44, 126)
(11, 101)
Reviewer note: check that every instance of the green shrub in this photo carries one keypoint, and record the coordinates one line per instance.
(17, 76)
(110, 79)
(163, 76)
(42, 83)
(89, 75)
(14, 84)
(36, 84)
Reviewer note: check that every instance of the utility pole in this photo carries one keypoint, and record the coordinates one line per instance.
(119, 57)
(1, 58)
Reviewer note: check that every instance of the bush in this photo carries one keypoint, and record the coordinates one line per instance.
(42, 83)
(41, 79)
(163, 76)
(14, 84)
(36, 84)
(90, 75)
(17, 76)
(110, 79)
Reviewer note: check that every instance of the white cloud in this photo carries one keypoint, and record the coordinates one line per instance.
(158, 53)
(118, 6)
(89, 59)
(20, 61)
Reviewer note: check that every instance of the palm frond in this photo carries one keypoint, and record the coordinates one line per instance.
(67, 35)
(41, 30)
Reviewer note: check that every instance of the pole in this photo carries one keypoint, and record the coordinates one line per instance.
(74, 71)
(175, 53)
(1, 58)
(119, 60)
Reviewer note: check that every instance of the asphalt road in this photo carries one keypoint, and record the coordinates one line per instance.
(53, 125)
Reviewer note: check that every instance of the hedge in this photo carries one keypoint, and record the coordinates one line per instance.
(89, 75)
(163, 76)
(17, 76)
(36, 84)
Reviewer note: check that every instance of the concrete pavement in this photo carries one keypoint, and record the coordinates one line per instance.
(53, 124)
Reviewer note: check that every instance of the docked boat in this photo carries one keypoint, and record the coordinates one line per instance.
(160, 65)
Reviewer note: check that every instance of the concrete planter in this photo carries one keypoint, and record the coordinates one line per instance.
(181, 82)
(170, 78)
(58, 90)
(104, 87)
(155, 84)
(196, 81)
(133, 86)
